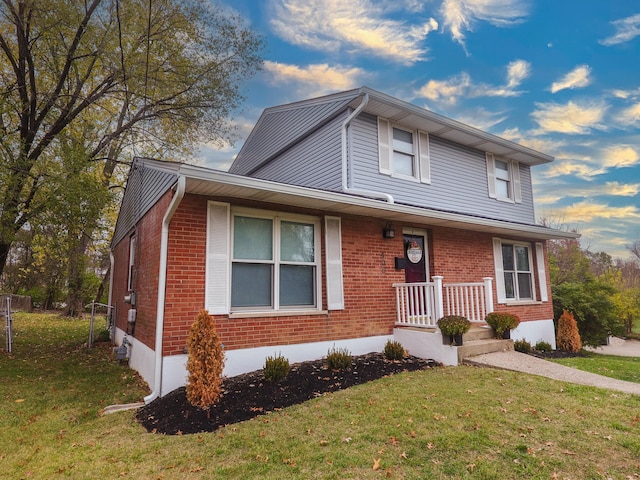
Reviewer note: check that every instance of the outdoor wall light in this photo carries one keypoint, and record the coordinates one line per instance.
(388, 231)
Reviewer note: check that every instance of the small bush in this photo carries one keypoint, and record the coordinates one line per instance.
(205, 362)
(275, 368)
(542, 346)
(522, 346)
(393, 350)
(338, 359)
(568, 336)
(454, 325)
(502, 321)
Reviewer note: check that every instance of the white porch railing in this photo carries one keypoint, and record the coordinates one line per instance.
(422, 304)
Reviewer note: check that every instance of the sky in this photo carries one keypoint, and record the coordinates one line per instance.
(559, 76)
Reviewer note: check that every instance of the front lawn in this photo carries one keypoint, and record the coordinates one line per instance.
(461, 422)
(622, 368)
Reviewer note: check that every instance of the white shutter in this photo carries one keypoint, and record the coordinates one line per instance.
(491, 175)
(423, 151)
(384, 146)
(542, 274)
(333, 249)
(515, 175)
(217, 262)
(497, 259)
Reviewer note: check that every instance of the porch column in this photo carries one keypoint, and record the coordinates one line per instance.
(439, 302)
(488, 293)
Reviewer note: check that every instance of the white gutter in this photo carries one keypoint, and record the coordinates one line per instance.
(346, 188)
(162, 287)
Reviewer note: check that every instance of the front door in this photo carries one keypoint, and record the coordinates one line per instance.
(415, 256)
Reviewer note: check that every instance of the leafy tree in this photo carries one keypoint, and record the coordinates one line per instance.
(88, 82)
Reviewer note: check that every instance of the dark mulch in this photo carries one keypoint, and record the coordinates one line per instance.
(557, 354)
(249, 395)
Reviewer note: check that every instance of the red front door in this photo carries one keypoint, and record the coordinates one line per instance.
(415, 270)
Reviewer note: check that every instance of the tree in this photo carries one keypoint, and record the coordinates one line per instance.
(108, 78)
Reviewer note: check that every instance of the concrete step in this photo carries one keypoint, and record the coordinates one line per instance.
(472, 348)
(478, 333)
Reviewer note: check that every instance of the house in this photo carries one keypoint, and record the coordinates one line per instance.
(345, 221)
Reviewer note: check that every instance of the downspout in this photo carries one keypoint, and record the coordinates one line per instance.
(345, 157)
(162, 288)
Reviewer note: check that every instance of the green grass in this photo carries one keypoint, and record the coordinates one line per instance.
(461, 422)
(622, 368)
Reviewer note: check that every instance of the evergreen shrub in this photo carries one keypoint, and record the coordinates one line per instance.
(393, 350)
(276, 368)
(568, 336)
(338, 359)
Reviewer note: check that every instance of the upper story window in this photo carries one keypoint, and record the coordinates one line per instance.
(403, 153)
(503, 177)
(274, 261)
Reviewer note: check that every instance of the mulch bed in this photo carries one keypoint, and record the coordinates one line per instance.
(249, 395)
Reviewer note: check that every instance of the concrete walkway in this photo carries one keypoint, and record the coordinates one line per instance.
(521, 362)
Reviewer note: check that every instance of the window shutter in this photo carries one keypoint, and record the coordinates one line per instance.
(491, 175)
(542, 276)
(217, 262)
(425, 162)
(517, 193)
(497, 259)
(384, 146)
(333, 249)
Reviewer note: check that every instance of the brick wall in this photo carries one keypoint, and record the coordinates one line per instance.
(368, 270)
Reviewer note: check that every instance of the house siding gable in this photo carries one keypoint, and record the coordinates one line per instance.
(279, 128)
(458, 178)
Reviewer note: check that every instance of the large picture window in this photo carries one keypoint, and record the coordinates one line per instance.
(274, 261)
(516, 272)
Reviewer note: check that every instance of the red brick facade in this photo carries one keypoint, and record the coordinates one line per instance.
(368, 275)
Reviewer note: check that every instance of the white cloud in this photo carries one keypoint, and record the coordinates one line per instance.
(482, 119)
(461, 15)
(448, 91)
(621, 156)
(578, 77)
(313, 80)
(626, 29)
(588, 211)
(356, 26)
(630, 115)
(572, 118)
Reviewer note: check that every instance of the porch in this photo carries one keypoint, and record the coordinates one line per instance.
(420, 305)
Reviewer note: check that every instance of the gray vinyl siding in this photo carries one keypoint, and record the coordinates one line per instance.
(279, 128)
(145, 186)
(315, 162)
(458, 178)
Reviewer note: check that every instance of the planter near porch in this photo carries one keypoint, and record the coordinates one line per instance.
(502, 323)
(454, 340)
(452, 328)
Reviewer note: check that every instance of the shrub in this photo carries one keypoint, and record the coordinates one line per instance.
(393, 350)
(542, 346)
(205, 362)
(522, 346)
(338, 359)
(501, 322)
(454, 325)
(568, 337)
(275, 368)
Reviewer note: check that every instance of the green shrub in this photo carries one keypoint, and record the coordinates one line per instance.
(454, 325)
(542, 346)
(275, 368)
(393, 350)
(502, 321)
(338, 359)
(522, 346)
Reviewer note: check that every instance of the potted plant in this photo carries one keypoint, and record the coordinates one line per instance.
(502, 323)
(453, 327)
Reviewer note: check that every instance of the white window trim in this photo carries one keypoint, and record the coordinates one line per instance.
(278, 217)
(537, 271)
(515, 188)
(421, 155)
(132, 261)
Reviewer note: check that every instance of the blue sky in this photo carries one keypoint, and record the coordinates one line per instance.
(562, 77)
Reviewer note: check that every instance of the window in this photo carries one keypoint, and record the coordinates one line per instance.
(274, 261)
(515, 272)
(503, 177)
(403, 153)
(132, 259)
